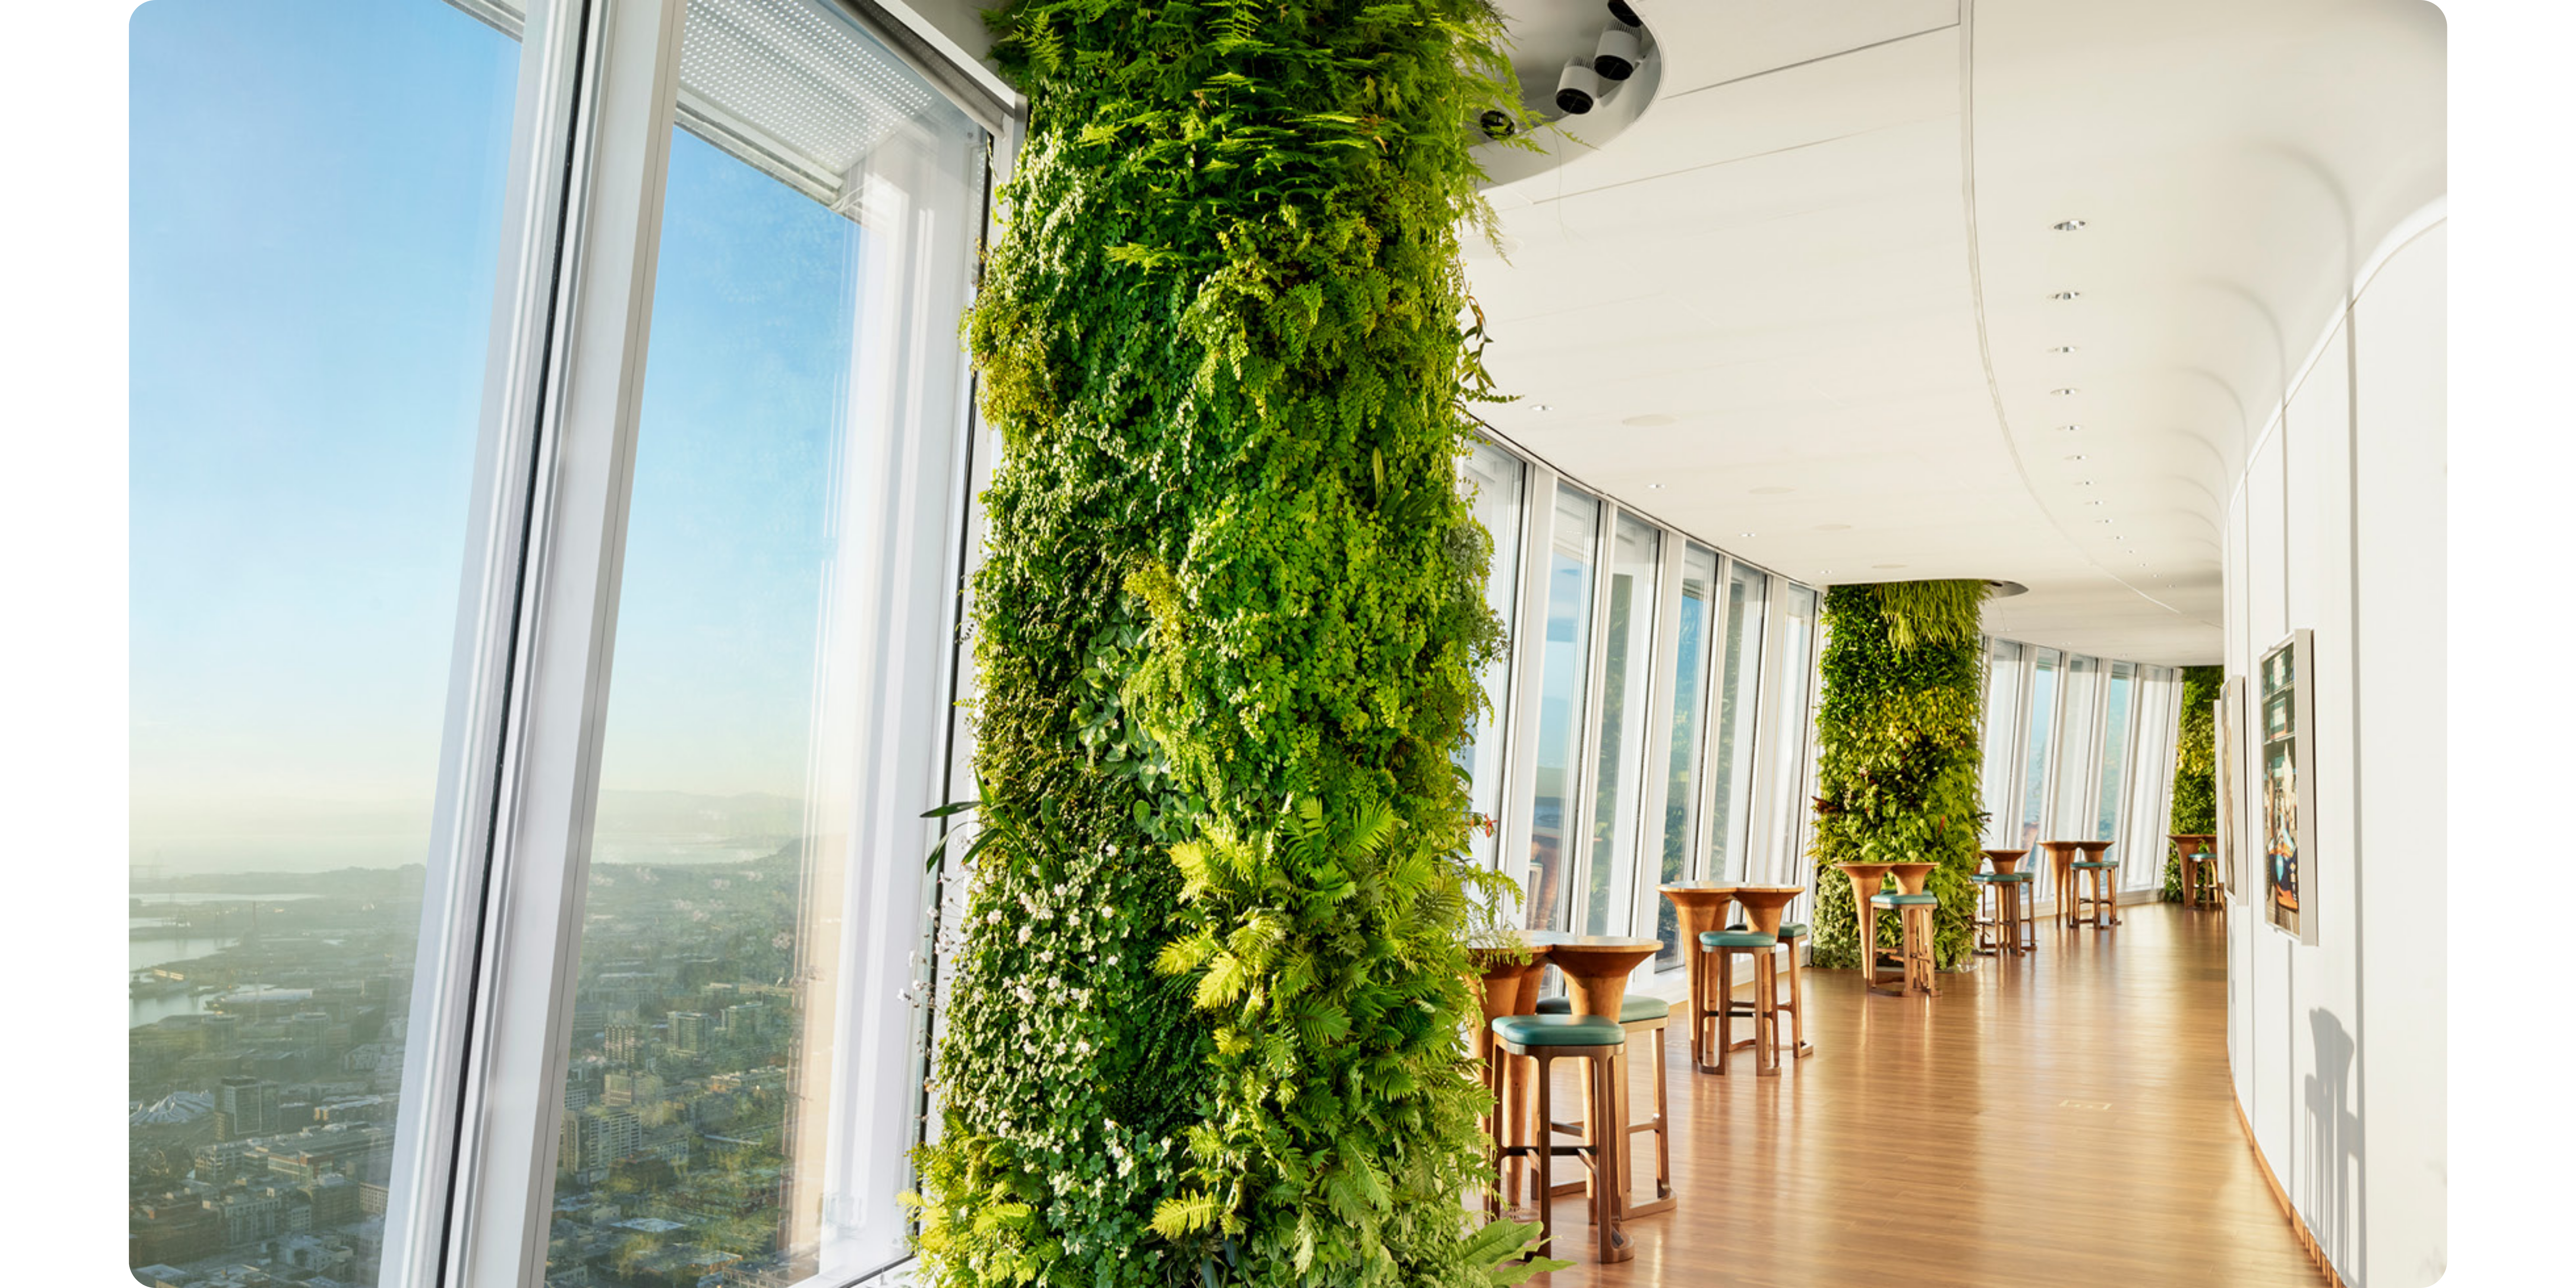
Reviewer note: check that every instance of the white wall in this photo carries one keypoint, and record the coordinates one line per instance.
(2336, 526)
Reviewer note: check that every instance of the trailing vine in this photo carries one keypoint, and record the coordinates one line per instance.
(1205, 1023)
(2195, 780)
(1897, 769)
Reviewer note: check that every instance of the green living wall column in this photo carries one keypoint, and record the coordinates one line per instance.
(1897, 755)
(2195, 781)
(1204, 1022)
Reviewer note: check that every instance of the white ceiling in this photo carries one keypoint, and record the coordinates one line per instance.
(1765, 311)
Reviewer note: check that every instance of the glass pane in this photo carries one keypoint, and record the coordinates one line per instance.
(1619, 781)
(2002, 735)
(1730, 761)
(2115, 751)
(1789, 760)
(1497, 479)
(744, 1071)
(2034, 760)
(2077, 739)
(1696, 608)
(306, 377)
(1562, 672)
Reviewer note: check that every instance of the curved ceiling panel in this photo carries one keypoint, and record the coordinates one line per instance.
(1797, 267)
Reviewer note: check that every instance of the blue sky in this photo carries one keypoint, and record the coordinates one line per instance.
(316, 199)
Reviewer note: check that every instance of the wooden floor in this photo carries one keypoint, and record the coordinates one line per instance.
(2061, 1119)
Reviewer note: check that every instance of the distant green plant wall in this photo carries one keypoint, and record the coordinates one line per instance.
(1205, 1022)
(2195, 778)
(1897, 773)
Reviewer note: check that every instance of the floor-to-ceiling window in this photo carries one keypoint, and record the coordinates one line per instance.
(2117, 734)
(2002, 733)
(1564, 682)
(1732, 751)
(1695, 617)
(307, 365)
(1620, 769)
(2033, 794)
(1499, 483)
(1783, 860)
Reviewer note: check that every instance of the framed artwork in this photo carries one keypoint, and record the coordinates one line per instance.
(2286, 779)
(2227, 727)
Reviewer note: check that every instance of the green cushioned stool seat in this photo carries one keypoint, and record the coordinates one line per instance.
(1997, 878)
(1794, 930)
(1559, 1030)
(2095, 863)
(1632, 1008)
(1737, 939)
(1893, 900)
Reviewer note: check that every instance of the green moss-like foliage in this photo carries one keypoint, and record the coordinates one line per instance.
(2195, 780)
(1205, 1021)
(1897, 756)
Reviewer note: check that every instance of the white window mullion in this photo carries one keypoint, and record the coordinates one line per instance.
(541, 847)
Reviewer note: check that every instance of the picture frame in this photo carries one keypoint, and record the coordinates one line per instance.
(2283, 726)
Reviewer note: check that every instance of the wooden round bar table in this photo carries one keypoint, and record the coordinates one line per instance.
(1865, 881)
(2061, 869)
(2197, 854)
(1698, 907)
(1508, 987)
(1596, 970)
(1912, 877)
(2005, 860)
(2107, 888)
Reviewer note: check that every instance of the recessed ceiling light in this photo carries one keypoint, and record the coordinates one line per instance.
(1648, 421)
(2063, 348)
(1654, 487)
(2067, 295)
(2101, 520)
(2064, 392)
(2069, 225)
(2076, 457)
(1744, 534)
(2068, 429)
(1772, 491)
(1542, 407)
(2083, 482)
(2092, 503)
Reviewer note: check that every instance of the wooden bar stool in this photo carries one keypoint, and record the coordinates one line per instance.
(1914, 914)
(1793, 937)
(1506, 987)
(1637, 1014)
(2194, 853)
(2002, 930)
(1544, 1040)
(1717, 998)
(1866, 878)
(2100, 908)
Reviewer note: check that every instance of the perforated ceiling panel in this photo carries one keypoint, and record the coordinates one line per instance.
(794, 88)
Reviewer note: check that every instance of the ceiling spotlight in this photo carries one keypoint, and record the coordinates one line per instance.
(2092, 503)
(2076, 457)
(2083, 482)
(1497, 123)
(2102, 520)
(1654, 487)
(1744, 534)
(2063, 348)
(2069, 225)
(2067, 295)
(1577, 87)
(1615, 58)
(1619, 9)
(2065, 392)
(1542, 407)
(2068, 429)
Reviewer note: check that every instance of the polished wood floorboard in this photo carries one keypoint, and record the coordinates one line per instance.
(2063, 1118)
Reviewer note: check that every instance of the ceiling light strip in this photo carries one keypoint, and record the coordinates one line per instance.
(1977, 298)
